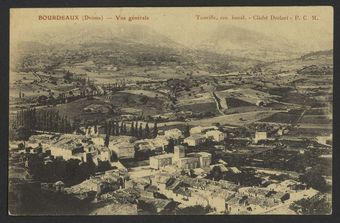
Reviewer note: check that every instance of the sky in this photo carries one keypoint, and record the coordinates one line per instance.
(181, 24)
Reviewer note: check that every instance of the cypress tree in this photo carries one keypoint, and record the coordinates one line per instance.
(107, 139)
(187, 131)
(122, 128)
(132, 129)
(140, 132)
(105, 127)
(147, 130)
(155, 130)
(109, 128)
(113, 128)
(136, 129)
(117, 128)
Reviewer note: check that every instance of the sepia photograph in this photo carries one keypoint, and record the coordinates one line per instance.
(170, 111)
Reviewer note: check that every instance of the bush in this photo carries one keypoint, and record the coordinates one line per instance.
(312, 206)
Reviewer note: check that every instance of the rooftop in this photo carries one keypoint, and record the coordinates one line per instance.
(163, 156)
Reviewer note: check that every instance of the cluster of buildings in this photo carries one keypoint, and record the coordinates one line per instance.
(199, 135)
(220, 196)
(181, 160)
(99, 184)
(83, 148)
(178, 176)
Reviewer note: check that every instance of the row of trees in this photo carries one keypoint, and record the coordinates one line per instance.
(43, 120)
(134, 129)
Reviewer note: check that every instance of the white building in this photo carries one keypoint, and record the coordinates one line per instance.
(325, 140)
(160, 161)
(68, 146)
(195, 140)
(158, 143)
(204, 158)
(260, 136)
(215, 135)
(188, 163)
(201, 129)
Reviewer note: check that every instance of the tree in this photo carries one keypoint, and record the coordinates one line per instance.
(317, 205)
(132, 129)
(114, 156)
(194, 210)
(313, 178)
(155, 130)
(68, 75)
(171, 146)
(136, 129)
(95, 129)
(140, 131)
(125, 129)
(216, 173)
(187, 131)
(122, 128)
(147, 131)
(105, 127)
(107, 139)
(23, 133)
(117, 128)
(108, 128)
(113, 128)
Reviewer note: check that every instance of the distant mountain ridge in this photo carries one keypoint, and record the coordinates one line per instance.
(247, 43)
(127, 34)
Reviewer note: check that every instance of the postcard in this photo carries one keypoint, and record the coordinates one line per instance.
(171, 111)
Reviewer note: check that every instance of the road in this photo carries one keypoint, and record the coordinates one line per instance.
(216, 99)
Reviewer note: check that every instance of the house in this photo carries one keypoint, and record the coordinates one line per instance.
(157, 162)
(160, 181)
(286, 186)
(98, 153)
(149, 191)
(265, 194)
(154, 205)
(260, 136)
(200, 129)
(159, 143)
(215, 135)
(203, 157)
(325, 140)
(194, 140)
(123, 146)
(99, 184)
(188, 163)
(68, 146)
(218, 199)
(116, 209)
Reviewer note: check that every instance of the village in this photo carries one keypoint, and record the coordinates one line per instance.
(134, 119)
(176, 170)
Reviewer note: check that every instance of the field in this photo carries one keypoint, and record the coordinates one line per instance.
(319, 111)
(110, 105)
(150, 94)
(240, 119)
(306, 131)
(75, 109)
(200, 107)
(316, 119)
(148, 105)
(286, 118)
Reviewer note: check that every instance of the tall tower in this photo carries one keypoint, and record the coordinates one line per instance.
(179, 152)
